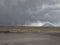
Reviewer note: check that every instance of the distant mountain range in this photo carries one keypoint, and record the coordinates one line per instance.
(46, 24)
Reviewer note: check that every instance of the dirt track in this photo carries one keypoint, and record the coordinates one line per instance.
(29, 38)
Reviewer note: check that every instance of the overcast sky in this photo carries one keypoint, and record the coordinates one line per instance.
(27, 12)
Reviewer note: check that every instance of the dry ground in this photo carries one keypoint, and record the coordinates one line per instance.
(30, 29)
(29, 38)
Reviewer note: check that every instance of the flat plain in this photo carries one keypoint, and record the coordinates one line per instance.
(29, 29)
(29, 38)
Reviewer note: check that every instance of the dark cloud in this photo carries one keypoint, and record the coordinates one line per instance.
(20, 12)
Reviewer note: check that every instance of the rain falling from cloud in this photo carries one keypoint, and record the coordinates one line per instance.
(29, 12)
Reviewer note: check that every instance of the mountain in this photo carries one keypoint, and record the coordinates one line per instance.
(48, 25)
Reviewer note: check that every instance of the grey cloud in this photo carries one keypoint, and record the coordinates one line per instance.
(14, 12)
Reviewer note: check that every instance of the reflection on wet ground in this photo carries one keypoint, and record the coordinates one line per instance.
(29, 38)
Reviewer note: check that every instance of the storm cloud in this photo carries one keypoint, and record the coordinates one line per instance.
(25, 12)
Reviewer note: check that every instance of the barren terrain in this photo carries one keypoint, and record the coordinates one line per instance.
(30, 29)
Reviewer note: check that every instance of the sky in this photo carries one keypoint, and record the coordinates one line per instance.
(29, 12)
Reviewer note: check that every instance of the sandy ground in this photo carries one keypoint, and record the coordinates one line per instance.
(29, 38)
